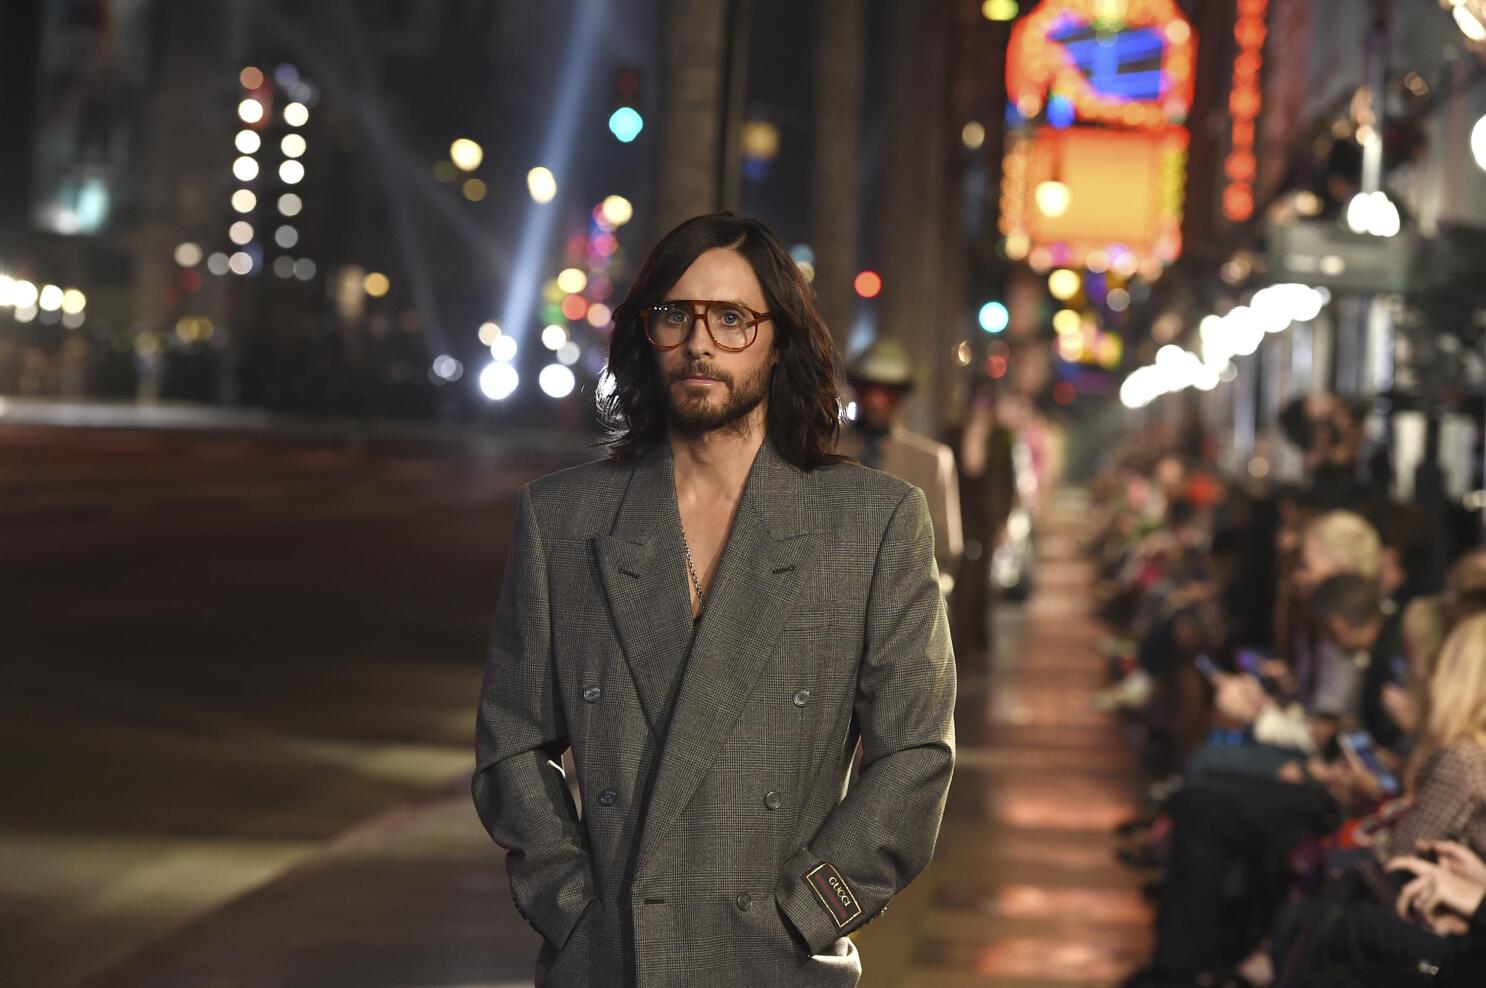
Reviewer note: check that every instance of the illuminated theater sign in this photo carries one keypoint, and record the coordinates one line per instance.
(1096, 157)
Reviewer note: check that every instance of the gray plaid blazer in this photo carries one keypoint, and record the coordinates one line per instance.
(719, 843)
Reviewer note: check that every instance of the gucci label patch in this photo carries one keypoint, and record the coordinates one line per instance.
(833, 892)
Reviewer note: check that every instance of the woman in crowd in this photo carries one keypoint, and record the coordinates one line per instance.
(1448, 782)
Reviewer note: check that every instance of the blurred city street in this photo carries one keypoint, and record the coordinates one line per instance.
(222, 651)
(1024, 890)
(1173, 312)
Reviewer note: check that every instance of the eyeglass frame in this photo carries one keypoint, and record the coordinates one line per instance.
(754, 316)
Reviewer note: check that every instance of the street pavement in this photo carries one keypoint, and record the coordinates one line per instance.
(225, 644)
(1023, 890)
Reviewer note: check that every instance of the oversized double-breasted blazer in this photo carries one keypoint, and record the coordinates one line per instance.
(722, 839)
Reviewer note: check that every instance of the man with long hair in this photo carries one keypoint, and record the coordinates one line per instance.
(711, 619)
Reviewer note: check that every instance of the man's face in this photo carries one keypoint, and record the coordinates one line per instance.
(708, 388)
(1351, 637)
(876, 405)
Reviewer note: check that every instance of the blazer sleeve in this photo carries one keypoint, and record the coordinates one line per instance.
(520, 735)
(882, 834)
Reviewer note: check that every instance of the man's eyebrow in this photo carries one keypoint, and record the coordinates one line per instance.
(715, 301)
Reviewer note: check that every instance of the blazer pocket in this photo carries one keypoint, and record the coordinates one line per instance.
(556, 964)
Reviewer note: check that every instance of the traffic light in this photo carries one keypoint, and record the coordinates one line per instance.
(625, 120)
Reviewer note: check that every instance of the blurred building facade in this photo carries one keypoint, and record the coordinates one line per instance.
(1037, 198)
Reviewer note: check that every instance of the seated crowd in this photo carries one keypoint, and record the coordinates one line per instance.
(1314, 711)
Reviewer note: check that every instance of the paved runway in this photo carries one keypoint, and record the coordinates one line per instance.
(1023, 890)
(220, 651)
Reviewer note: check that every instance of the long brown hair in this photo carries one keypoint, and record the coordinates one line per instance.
(804, 409)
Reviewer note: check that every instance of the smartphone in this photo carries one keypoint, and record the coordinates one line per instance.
(1207, 667)
(1361, 744)
(1398, 670)
(1249, 660)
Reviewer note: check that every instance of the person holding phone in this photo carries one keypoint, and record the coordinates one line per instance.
(1447, 781)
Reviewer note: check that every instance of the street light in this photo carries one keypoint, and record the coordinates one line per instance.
(626, 123)
(617, 210)
(498, 381)
(466, 154)
(1053, 198)
(1373, 213)
(994, 317)
(556, 381)
(541, 184)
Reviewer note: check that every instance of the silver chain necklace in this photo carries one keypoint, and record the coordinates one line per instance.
(691, 568)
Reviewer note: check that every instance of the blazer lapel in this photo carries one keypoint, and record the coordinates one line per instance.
(642, 568)
(753, 596)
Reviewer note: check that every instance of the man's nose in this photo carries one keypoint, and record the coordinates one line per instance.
(699, 340)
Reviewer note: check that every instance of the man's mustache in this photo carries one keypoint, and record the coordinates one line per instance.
(701, 370)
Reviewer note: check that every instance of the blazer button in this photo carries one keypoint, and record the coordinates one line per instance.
(607, 797)
(773, 800)
(592, 694)
(744, 901)
(802, 697)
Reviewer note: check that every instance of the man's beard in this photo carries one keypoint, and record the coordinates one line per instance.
(700, 414)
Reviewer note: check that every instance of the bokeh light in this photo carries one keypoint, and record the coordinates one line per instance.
(498, 381)
(1064, 283)
(617, 210)
(466, 154)
(504, 348)
(556, 381)
(541, 184)
(626, 123)
(376, 284)
(994, 317)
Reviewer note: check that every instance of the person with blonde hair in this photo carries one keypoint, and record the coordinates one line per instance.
(1447, 780)
(1427, 621)
(1338, 542)
(1447, 772)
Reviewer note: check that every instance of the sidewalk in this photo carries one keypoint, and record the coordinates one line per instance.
(1024, 890)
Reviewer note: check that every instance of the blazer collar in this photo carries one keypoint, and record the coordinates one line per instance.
(642, 566)
(774, 491)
